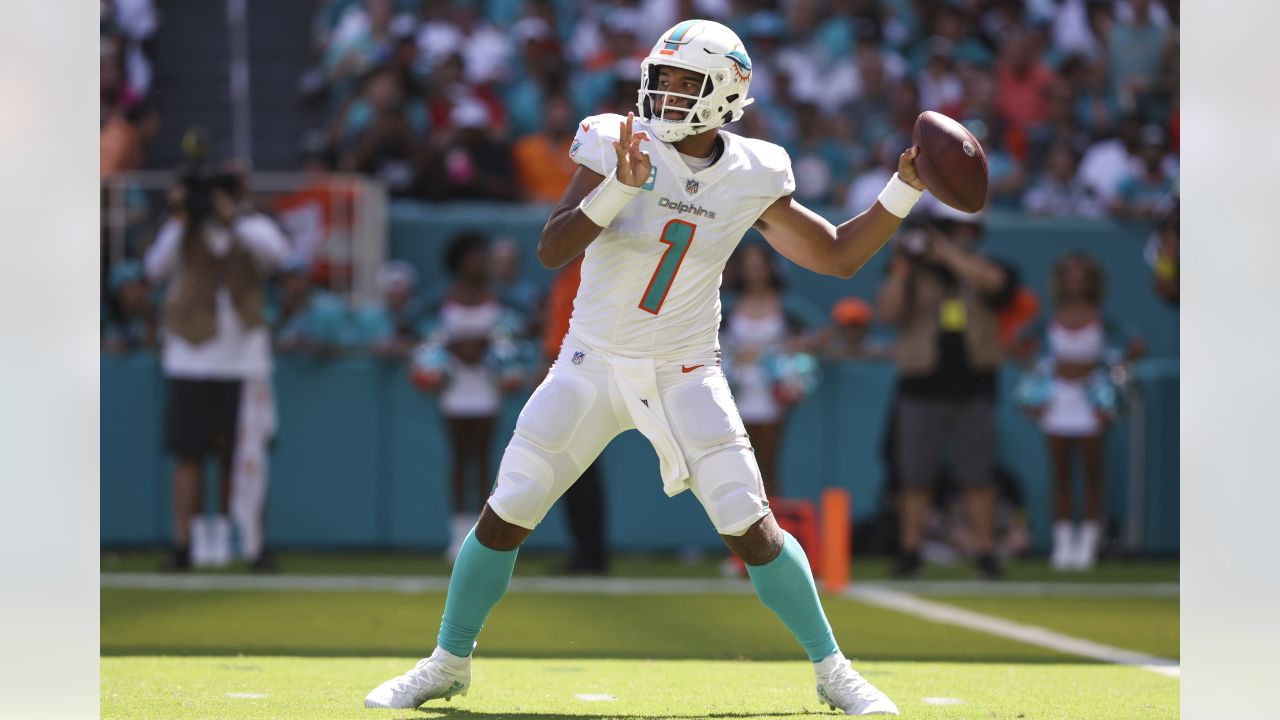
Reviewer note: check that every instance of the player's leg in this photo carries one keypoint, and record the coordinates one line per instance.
(765, 439)
(918, 437)
(584, 503)
(563, 428)
(726, 480)
(973, 455)
(187, 436)
(1092, 447)
(1063, 534)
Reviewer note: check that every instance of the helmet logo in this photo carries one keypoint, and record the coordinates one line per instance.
(741, 63)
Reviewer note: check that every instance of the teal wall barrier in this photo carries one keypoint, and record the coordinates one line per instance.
(361, 457)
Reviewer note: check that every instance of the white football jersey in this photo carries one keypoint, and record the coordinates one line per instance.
(651, 280)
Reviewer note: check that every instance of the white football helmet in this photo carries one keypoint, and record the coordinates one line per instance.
(704, 47)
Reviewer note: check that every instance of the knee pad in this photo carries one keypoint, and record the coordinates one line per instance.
(555, 411)
(727, 483)
(522, 494)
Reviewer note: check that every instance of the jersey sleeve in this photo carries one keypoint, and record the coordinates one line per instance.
(786, 177)
(592, 145)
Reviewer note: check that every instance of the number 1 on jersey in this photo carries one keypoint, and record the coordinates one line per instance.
(679, 235)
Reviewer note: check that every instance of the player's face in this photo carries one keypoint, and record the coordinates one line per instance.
(677, 80)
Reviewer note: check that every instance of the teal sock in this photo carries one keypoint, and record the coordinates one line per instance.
(479, 580)
(785, 586)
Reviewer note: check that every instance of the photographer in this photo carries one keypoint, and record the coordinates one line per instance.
(216, 259)
(944, 299)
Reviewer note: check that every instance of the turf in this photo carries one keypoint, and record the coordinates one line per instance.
(1148, 625)
(712, 627)
(284, 688)
(630, 565)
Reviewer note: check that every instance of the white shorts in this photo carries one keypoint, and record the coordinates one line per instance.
(755, 397)
(470, 391)
(1069, 412)
(579, 408)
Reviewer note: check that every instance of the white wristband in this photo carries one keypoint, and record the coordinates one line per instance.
(607, 200)
(898, 197)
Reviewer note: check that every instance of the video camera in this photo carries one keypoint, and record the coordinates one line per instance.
(199, 180)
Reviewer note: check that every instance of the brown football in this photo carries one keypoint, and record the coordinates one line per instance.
(951, 162)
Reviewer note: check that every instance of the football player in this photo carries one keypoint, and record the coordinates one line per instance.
(658, 203)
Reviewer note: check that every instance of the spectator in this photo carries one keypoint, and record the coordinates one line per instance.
(1079, 350)
(215, 336)
(867, 185)
(846, 338)
(818, 161)
(362, 39)
(940, 87)
(382, 132)
(468, 376)
(945, 297)
(473, 165)
(1163, 251)
(1107, 161)
(131, 321)
(761, 325)
(1145, 189)
(308, 320)
(1060, 192)
(256, 423)
(1024, 82)
(117, 89)
(1135, 47)
(542, 159)
(125, 137)
(390, 327)
(1059, 126)
(516, 292)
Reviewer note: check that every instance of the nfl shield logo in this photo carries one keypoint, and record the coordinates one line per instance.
(691, 186)
(577, 357)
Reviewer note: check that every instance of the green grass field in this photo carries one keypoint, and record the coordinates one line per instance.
(251, 687)
(313, 655)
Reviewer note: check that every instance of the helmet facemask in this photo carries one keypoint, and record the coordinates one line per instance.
(666, 128)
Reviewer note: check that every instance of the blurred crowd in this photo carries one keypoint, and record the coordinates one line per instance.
(1075, 101)
(127, 122)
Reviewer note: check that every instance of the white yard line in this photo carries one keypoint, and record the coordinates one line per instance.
(615, 586)
(1030, 634)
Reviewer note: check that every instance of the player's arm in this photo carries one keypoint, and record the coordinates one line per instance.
(592, 200)
(808, 240)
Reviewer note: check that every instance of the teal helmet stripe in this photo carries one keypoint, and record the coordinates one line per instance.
(677, 33)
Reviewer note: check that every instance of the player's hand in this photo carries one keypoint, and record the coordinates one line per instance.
(633, 163)
(907, 168)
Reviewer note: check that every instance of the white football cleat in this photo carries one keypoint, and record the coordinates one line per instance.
(843, 689)
(442, 675)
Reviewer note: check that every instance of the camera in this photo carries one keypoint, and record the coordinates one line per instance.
(198, 181)
(198, 186)
(914, 242)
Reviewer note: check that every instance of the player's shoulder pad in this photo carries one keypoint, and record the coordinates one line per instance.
(593, 139)
(768, 160)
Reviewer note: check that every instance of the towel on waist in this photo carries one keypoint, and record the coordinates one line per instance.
(637, 380)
